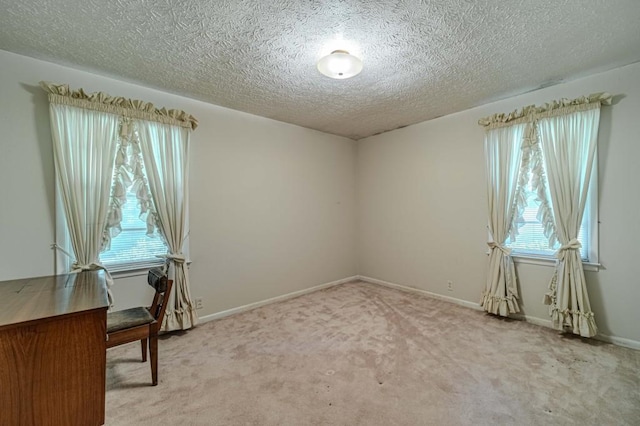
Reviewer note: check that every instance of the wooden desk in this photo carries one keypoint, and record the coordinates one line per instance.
(52, 350)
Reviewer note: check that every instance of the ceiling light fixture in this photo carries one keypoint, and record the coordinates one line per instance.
(340, 64)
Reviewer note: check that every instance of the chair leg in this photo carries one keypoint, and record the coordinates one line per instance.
(153, 349)
(143, 343)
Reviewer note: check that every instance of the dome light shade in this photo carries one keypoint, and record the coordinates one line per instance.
(340, 64)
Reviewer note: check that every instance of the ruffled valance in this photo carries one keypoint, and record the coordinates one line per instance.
(100, 101)
(550, 109)
(128, 176)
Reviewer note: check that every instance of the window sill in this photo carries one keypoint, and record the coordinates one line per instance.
(551, 262)
(136, 270)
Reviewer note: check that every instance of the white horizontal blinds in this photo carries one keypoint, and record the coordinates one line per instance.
(133, 248)
(530, 238)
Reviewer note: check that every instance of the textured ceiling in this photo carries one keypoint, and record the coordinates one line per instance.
(422, 58)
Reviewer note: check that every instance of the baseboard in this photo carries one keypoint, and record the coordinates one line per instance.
(619, 341)
(533, 320)
(250, 306)
(449, 299)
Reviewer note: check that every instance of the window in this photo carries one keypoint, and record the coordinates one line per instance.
(531, 241)
(133, 248)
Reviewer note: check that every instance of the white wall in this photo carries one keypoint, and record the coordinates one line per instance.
(422, 205)
(272, 204)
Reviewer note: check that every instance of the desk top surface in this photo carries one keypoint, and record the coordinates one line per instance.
(30, 299)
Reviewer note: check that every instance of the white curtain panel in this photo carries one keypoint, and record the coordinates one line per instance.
(569, 144)
(503, 152)
(165, 151)
(84, 147)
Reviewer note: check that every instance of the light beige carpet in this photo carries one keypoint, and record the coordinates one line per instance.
(361, 354)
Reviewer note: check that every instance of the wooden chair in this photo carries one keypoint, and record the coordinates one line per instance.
(142, 323)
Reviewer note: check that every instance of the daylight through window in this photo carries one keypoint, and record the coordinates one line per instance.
(133, 248)
(531, 239)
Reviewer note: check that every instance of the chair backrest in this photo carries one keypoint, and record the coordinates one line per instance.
(157, 278)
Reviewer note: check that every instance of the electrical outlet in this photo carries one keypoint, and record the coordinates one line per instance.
(450, 285)
(198, 302)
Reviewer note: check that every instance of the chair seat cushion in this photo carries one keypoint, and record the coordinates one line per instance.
(128, 318)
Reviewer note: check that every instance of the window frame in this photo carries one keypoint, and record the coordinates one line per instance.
(591, 263)
(138, 264)
(64, 261)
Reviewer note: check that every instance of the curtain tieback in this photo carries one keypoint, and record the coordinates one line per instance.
(177, 258)
(574, 244)
(93, 266)
(493, 245)
(96, 266)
